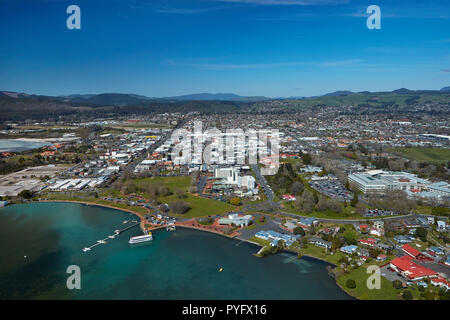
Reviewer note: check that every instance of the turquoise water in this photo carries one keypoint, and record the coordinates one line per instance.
(12, 145)
(182, 264)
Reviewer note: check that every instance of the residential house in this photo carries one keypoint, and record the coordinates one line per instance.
(320, 242)
(349, 249)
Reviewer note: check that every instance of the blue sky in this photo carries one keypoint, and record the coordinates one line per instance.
(249, 47)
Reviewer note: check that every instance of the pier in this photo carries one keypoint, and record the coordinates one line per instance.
(115, 234)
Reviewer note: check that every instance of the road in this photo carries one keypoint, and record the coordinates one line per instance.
(201, 185)
(263, 183)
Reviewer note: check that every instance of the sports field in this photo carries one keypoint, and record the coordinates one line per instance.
(438, 155)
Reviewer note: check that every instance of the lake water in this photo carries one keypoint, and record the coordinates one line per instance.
(12, 145)
(181, 264)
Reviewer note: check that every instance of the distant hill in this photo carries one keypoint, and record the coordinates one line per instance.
(402, 91)
(17, 106)
(217, 97)
(111, 99)
(397, 98)
(338, 93)
(13, 94)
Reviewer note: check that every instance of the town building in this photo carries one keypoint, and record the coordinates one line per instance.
(410, 270)
(319, 242)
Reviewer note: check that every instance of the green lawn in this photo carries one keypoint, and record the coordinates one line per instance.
(172, 183)
(360, 275)
(438, 155)
(259, 241)
(318, 252)
(200, 206)
(346, 213)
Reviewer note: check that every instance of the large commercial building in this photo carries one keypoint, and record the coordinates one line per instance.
(381, 181)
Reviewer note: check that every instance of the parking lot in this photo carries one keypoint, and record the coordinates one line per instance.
(333, 189)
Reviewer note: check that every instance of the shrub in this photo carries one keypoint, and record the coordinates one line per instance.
(350, 283)
(299, 230)
(179, 207)
(407, 295)
(235, 201)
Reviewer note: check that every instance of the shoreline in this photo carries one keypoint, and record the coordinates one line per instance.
(141, 219)
(205, 230)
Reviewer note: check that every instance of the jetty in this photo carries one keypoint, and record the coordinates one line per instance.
(115, 234)
(170, 227)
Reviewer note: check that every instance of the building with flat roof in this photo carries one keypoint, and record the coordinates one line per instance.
(378, 181)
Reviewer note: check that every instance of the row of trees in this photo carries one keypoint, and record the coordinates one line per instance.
(310, 201)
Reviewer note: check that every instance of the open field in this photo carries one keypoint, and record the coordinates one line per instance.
(142, 126)
(438, 155)
(346, 213)
(199, 206)
(172, 183)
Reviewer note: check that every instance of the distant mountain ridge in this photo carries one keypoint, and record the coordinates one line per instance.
(216, 96)
(119, 99)
(124, 99)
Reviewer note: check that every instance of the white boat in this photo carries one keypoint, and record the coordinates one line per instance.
(101, 241)
(144, 238)
(86, 249)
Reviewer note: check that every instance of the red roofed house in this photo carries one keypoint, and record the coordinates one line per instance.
(364, 228)
(413, 252)
(368, 242)
(381, 257)
(410, 270)
(440, 282)
(288, 197)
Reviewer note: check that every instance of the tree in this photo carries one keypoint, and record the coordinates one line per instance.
(350, 283)
(179, 207)
(306, 158)
(397, 284)
(180, 194)
(335, 244)
(421, 233)
(299, 230)
(297, 188)
(407, 295)
(355, 199)
(26, 194)
(235, 201)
